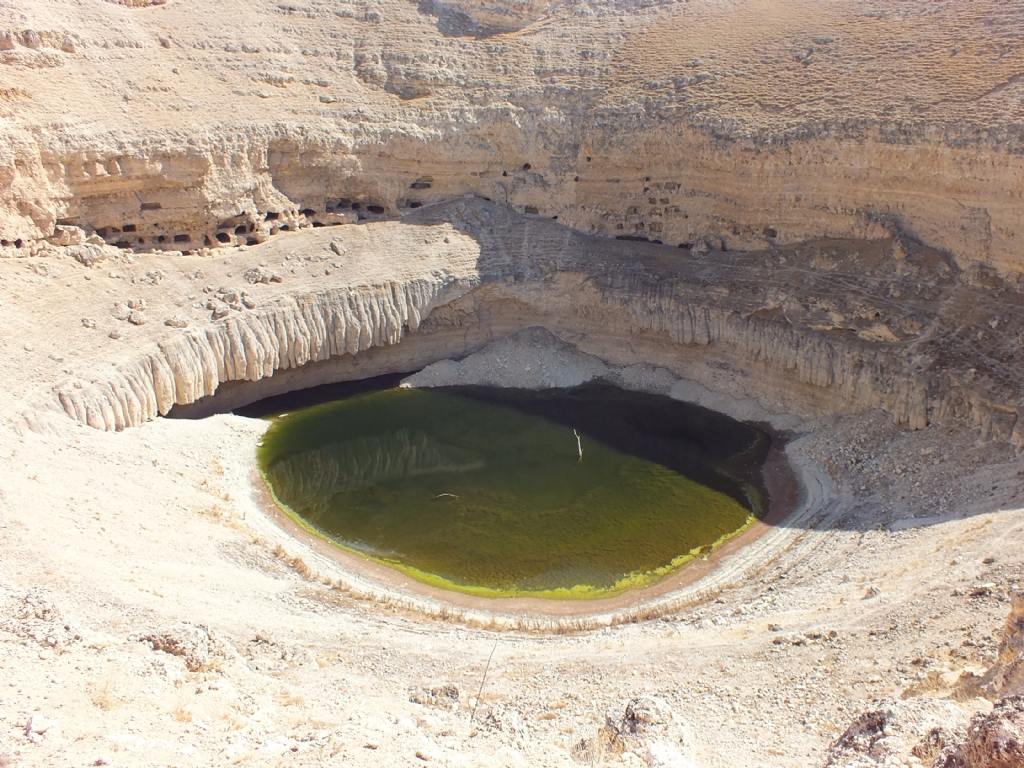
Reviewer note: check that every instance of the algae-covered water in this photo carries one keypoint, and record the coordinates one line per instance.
(483, 490)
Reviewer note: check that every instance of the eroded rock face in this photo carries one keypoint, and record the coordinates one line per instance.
(936, 731)
(724, 124)
(897, 729)
(994, 739)
(489, 18)
(1009, 673)
(725, 319)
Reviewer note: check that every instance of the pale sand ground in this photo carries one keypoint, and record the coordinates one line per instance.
(125, 533)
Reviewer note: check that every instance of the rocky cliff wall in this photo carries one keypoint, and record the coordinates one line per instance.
(719, 320)
(745, 124)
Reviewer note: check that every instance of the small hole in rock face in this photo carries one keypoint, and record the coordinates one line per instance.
(123, 244)
(142, 241)
(128, 228)
(207, 241)
(102, 231)
(356, 206)
(308, 212)
(161, 238)
(588, 158)
(344, 203)
(115, 229)
(181, 238)
(19, 243)
(527, 166)
(576, 179)
(252, 241)
(285, 228)
(530, 209)
(378, 209)
(487, 199)
(504, 173)
(420, 185)
(241, 230)
(271, 216)
(5, 243)
(223, 237)
(415, 205)
(317, 224)
(687, 246)
(151, 206)
(554, 217)
(770, 232)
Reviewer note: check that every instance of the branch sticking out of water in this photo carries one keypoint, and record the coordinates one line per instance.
(579, 445)
(444, 496)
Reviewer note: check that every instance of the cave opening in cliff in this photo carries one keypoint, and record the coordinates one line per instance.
(582, 492)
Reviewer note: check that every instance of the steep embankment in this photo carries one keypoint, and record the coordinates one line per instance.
(741, 124)
(811, 329)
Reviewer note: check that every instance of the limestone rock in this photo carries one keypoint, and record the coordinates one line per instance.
(896, 730)
(195, 643)
(261, 275)
(438, 697)
(288, 334)
(1009, 677)
(662, 755)
(994, 739)
(534, 357)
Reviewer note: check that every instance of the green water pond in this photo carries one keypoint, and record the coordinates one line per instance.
(484, 491)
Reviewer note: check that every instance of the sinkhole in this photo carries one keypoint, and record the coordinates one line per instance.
(559, 493)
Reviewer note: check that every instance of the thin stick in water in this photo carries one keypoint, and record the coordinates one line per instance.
(579, 445)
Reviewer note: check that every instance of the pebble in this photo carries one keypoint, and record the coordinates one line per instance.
(29, 346)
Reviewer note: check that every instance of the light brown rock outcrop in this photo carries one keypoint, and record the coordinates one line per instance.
(746, 123)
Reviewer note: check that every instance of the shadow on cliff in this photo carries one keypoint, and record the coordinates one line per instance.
(847, 326)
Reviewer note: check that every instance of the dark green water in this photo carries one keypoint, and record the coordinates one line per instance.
(482, 490)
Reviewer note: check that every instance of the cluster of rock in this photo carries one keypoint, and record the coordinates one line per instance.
(649, 730)
(937, 732)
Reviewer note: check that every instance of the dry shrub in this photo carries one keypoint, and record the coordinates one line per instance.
(291, 699)
(105, 695)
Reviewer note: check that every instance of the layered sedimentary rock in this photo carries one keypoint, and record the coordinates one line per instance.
(746, 124)
(767, 326)
(298, 330)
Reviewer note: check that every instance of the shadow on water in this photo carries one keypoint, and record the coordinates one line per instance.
(529, 249)
(708, 447)
(480, 489)
(705, 446)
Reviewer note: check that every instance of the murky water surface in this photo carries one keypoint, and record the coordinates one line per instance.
(483, 490)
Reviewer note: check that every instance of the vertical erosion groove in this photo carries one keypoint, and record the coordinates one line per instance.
(290, 333)
(294, 331)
